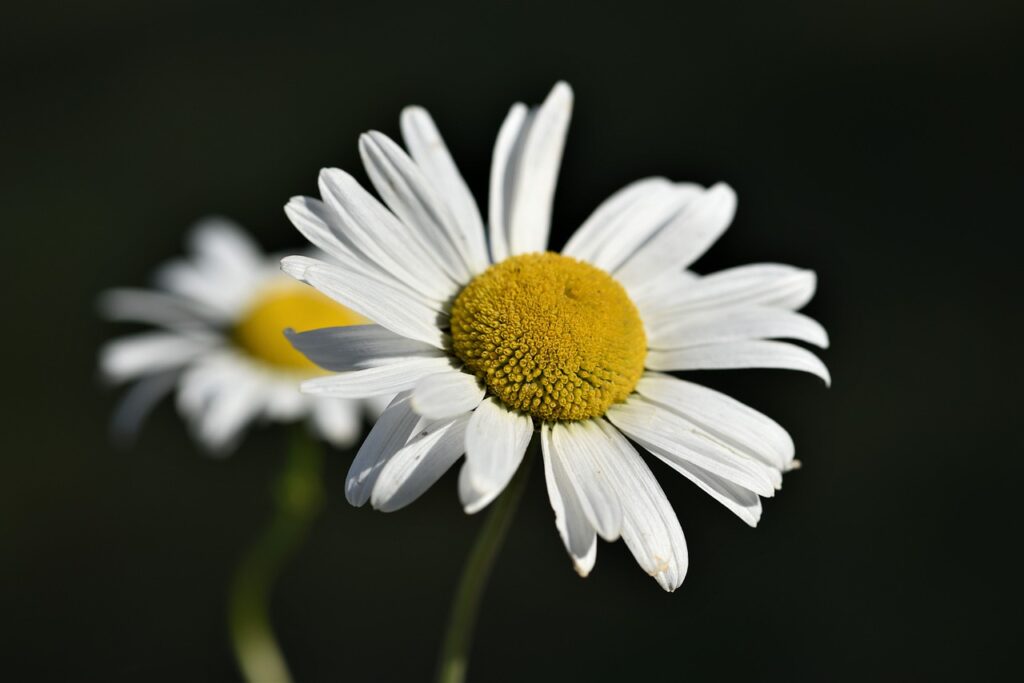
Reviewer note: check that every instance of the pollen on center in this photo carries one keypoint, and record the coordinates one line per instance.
(550, 336)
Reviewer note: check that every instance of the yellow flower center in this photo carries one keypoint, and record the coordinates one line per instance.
(550, 336)
(260, 331)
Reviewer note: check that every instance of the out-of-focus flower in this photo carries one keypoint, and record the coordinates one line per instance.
(220, 317)
(486, 346)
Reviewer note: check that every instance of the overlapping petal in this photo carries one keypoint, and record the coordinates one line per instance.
(446, 394)
(760, 284)
(577, 533)
(524, 171)
(739, 354)
(418, 464)
(716, 326)
(358, 347)
(496, 440)
(431, 154)
(392, 307)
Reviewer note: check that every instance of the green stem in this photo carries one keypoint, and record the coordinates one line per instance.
(298, 496)
(466, 603)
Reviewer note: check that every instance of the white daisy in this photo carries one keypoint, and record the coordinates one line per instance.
(221, 316)
(487, 346)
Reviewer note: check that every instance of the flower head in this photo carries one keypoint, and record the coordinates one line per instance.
(220, 319)
(489, 343)
(549, 336)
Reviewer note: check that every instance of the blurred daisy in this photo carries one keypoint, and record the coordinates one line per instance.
(221, 316)
(488, 344)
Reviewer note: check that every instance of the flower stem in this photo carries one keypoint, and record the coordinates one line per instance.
(466, 603)
(299, 496)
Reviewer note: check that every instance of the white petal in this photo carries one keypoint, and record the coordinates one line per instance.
(138, 402)
(201, 381)
(672, 438)
(357, 263)
(742, 502)
(504, 164)
(396, 246)
(224, 391)
(496, 440)
(225, 246)
(697, 328)
(314, 220)
(385, 379)
(742, 354)
(222, 298)
(650, 527)
(473, 497)
(446, 394)
(390, 433)
(235, 403)
(373, 298)
(576, 532)
(410, 195)
(357, 347)
(149, 353)
(338, 420)
(766, 284)
(610, 216)
(722, 415)
(625, 223)
(284, 401)
(154, 308)
(684, 239)
(420, 463)
(432, 156)
(575, 448)
(759, 284)
(652, 296)
(322, 226)
(537, 173)
(221, 275)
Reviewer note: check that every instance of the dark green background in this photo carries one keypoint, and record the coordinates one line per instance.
(876, 142)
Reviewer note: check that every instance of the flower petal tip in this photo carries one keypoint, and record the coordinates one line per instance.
(295, 266)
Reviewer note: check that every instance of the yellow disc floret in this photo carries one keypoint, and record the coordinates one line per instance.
(550, 336)
(260, 331)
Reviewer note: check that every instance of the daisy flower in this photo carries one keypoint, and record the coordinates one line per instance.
(220, 317)
(488, 343)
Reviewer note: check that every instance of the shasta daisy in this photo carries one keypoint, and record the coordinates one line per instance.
(220, 317)
(487, 342)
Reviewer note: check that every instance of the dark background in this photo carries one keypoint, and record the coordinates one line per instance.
(876, 142)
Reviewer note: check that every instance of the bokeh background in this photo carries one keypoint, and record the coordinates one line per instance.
(876, 142)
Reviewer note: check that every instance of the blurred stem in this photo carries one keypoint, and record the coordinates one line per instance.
(298, 497)
(466, 603)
